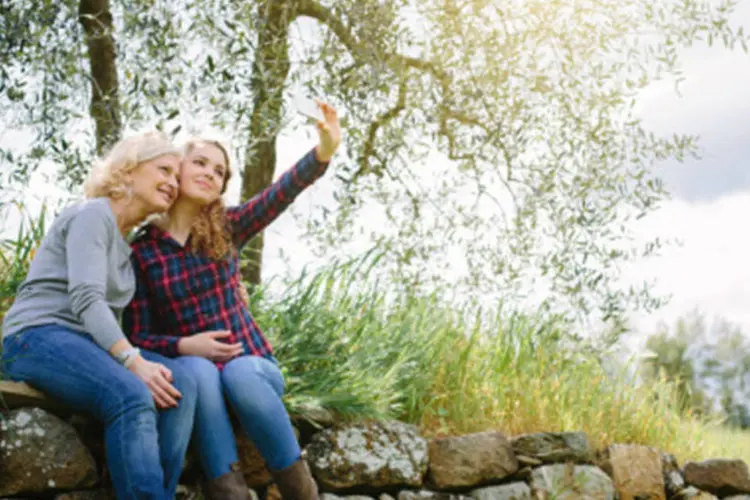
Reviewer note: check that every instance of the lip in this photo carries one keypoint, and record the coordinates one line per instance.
(167, 196)
(203, 184)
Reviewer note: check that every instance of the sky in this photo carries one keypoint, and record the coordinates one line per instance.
(710, 270)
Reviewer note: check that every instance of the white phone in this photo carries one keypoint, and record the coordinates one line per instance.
(307, 108)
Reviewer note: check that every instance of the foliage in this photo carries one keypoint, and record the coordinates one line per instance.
(531, 102)
(709, 363)
(16, 252)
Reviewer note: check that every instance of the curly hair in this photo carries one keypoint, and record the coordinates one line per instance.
(107, 177)
(210, 232)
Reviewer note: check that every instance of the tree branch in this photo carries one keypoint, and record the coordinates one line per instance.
(368, 149)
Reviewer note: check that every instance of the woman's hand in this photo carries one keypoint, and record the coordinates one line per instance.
(329, 131)
(207, 345)
(158, 378)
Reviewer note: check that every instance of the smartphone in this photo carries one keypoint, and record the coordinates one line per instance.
(307, 108)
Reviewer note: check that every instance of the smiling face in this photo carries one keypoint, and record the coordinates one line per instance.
(204, 172)
(154, 183)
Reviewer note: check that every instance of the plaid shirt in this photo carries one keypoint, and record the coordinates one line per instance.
(181, 293)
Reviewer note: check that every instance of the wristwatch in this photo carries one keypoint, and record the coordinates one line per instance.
(127, 357)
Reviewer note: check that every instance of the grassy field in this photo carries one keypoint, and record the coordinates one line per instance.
(345, 345)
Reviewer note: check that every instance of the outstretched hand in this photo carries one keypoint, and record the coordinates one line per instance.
(329, 131)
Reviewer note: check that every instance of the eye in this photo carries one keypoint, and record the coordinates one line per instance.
(166, 169)
(219, 171)
(199, 161)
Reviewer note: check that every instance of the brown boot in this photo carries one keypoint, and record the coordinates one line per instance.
(230, 486)
(295, 482)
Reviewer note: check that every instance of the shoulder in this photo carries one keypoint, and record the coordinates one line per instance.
(96, 211)
(94, 216)
(145, 244)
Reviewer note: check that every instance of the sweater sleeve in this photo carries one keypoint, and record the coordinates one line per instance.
(87, 244)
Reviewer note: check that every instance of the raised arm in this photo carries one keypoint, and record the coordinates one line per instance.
(250, 218)
(253, 216)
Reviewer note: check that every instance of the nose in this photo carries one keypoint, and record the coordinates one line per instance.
(174, 182)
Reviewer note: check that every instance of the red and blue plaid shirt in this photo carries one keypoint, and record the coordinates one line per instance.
(180, 292)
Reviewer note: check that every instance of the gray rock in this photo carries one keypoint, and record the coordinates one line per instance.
(572, 482)
(39, 451)
(512, 491)
(369, 455)
(429, 495)
(551, 447)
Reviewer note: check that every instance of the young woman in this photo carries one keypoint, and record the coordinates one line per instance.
(62, 333)
(188, 302)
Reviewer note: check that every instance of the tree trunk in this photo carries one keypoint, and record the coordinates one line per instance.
(270, 72)
(96, 19)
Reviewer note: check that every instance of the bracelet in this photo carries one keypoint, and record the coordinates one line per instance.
(127, 357)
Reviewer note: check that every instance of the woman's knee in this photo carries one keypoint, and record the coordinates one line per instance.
(246, 368)
(129, 396)
(201, 371)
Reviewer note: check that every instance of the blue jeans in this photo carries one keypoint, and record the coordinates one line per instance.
(145, 448)
(253, 386)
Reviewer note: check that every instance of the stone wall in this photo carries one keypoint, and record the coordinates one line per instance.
(44, 455)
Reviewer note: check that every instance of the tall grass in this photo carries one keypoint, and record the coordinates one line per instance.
(345, 344)
(17, 250)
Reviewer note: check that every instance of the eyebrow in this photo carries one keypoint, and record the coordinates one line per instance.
(205, 158)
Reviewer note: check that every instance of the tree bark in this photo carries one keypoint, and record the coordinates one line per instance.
(270, 72)
(96, 19)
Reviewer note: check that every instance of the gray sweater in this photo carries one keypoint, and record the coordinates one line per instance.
(80, 277)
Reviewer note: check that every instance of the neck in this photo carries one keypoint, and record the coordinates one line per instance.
(128, 214)
(181, 217)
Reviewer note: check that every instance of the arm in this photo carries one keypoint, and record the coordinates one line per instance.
(87, 253)
(250, 218)
(136, 319)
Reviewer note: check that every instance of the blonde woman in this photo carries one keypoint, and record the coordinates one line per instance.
(188, 303)
(62, 334)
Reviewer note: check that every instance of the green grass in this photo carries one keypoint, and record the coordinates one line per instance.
(345, 345)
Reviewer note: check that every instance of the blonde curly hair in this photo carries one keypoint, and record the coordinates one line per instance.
(107, 177)
(210, 231)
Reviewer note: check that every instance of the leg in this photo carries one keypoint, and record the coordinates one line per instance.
(175, 425)
(213, 433)
(254, 387)
(72, 368)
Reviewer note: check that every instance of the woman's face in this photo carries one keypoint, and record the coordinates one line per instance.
(155, 182)
(202, 173)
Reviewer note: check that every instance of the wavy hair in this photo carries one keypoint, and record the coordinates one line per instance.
(107, 177)
(210, 232)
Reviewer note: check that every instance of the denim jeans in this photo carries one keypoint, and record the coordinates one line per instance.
(253, 386)
(145, 448)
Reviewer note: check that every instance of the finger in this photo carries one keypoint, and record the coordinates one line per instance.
(227, 349)
(161, 399)
(158, 387)
(172, 390)
(168, 388)
(220, 334)
(166, 372)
